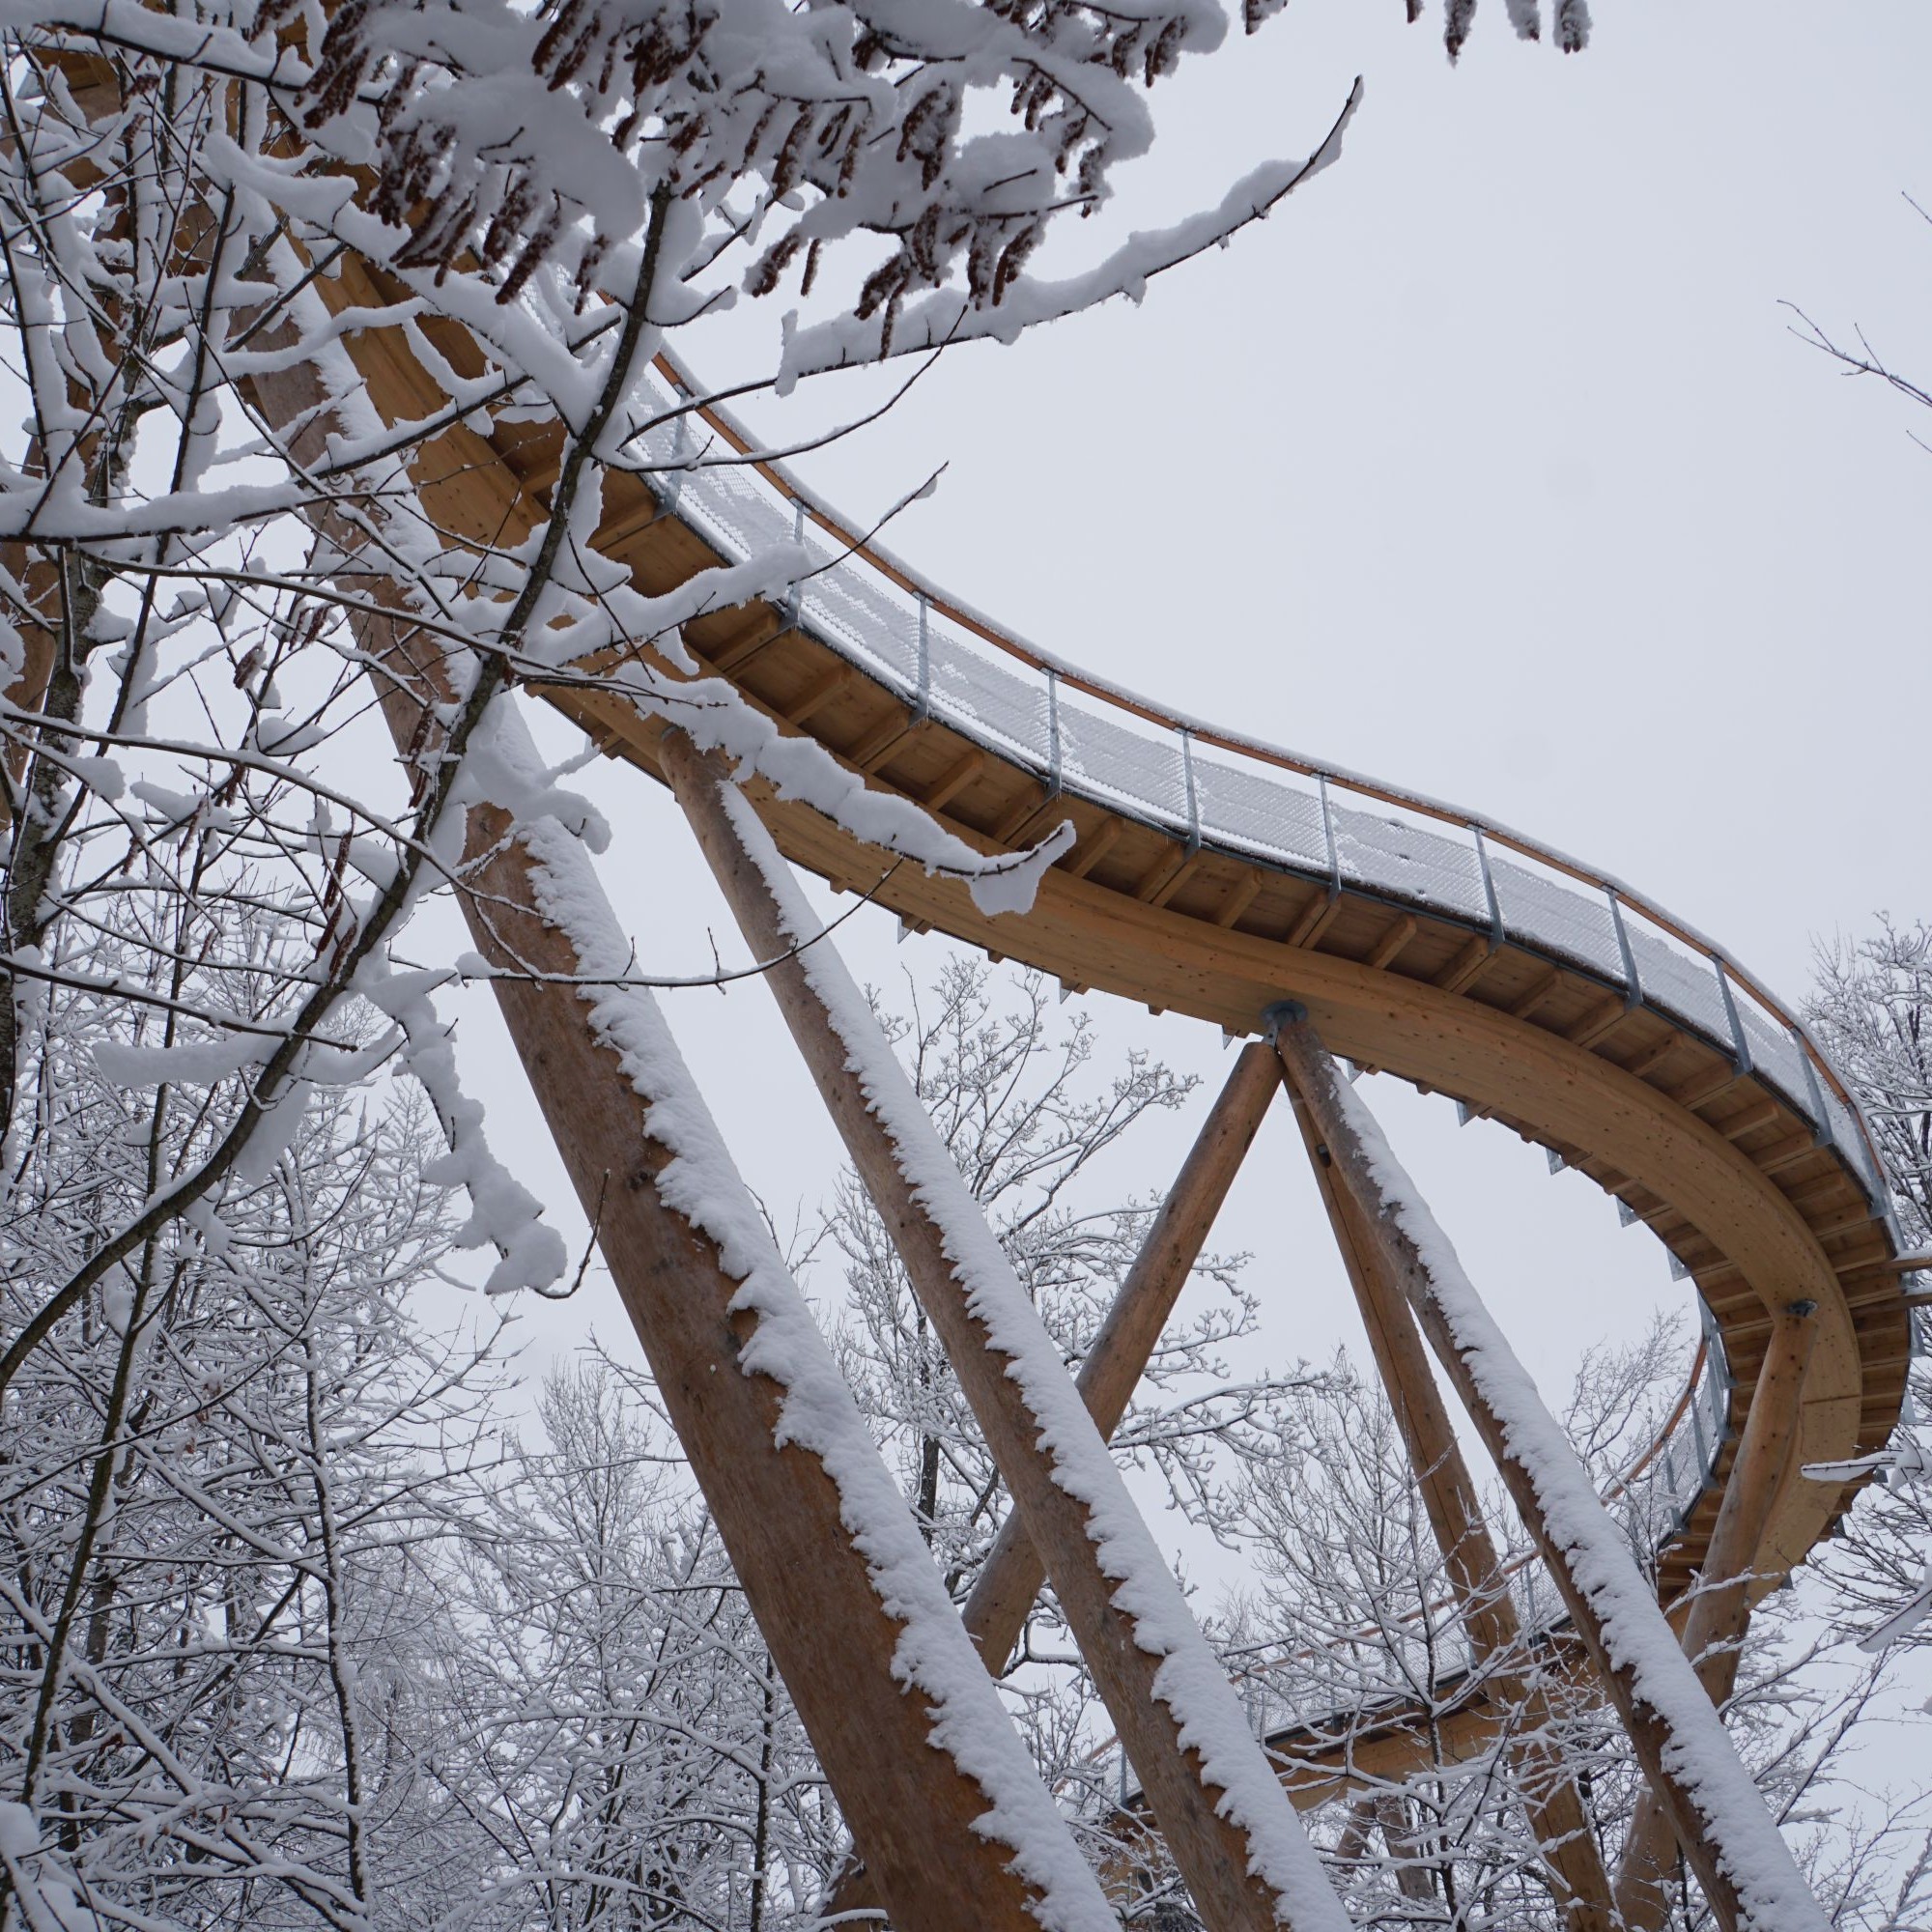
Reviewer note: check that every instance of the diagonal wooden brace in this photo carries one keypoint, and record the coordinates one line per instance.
(910, 1177)
(1719, 1609)
(996, 1608)
(1557, 1814)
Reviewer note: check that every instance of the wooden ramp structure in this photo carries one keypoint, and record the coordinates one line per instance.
(1312, 912)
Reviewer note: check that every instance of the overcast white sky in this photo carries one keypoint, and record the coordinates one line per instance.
(1488, 466)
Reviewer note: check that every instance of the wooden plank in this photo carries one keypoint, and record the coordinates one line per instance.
(1858, 1215)
(884, 737)
(1024, 818)
(1536, 994)
(1240, 899)
(1389, 947)
(1166, 891)
(1608, 1013)
(736, 657)
(1315, 920)
(1748, 1120)
(956, 780)
(1160, 874)
(818, 694)
(1092, 848)
(1646, 1064)
(1700, 1093)
(1774, 1159)
(1467, 965)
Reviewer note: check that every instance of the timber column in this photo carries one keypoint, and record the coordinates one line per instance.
(926, 1823)
(1227, 1823)
(1721, 1602)
(1557, 1814)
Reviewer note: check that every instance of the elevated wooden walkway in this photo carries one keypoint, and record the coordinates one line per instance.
(1212, 876)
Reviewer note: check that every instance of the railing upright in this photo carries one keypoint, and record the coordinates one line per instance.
(1188, 784)
(1741, 1051)
(1633, 981)
(1053, 773)
(923, 701)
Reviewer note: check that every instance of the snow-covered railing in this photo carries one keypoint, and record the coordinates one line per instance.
(1206, 786)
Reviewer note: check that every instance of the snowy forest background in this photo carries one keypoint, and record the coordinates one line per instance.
(322, 1604)
(368, 1631)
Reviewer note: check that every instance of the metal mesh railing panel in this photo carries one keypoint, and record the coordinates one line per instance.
(1555, 915)
(1262, 814)
(1396, 855)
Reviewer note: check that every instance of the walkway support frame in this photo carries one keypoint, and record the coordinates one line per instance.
(1221, 1858)
(1557, 1814)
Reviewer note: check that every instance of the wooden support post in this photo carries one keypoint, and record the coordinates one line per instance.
(1729, 1839)
(1557, 1814)
(996, 1608)
(912, 1808)
(1719, 1606)
(1009, 1580)
(890, 1142)
(921, 1818)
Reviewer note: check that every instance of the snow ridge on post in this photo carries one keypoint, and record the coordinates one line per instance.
(933, 1659)
(1747, 1874)
(1714, 1626)
(1228, 1821)
(997, 1607)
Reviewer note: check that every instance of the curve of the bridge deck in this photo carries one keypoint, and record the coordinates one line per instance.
(1213, 876)
(1457, 955)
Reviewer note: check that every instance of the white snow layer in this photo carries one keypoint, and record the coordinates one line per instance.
(1700, 1755)
(1190, 1679)
(934, 1655)
(1908, 1461)
(718, 718)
